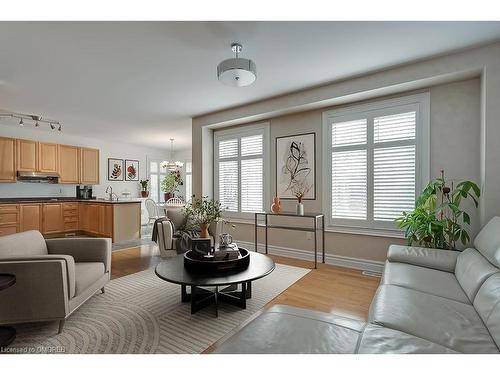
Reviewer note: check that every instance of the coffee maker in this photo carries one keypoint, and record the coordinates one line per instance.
(84, 192)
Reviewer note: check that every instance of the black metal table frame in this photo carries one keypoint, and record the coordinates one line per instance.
(200, 297)
(314, 230)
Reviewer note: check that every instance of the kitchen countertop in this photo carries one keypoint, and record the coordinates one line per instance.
(63, 199)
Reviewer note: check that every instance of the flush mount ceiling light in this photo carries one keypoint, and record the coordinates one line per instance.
(35, 119)
(238, 71)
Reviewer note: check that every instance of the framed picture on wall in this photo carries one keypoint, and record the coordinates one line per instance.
(115, 169)
(296, 166)
(131, 170)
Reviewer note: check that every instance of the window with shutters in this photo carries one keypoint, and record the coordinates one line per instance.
(241, 172)
(376, 161)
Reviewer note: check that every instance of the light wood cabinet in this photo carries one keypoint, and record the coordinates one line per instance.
(69, 164)
(106, 220)
(89, 166)
(7, 159)
(52, 218)
(9, 219)
(27, 155)
(93, 218)
(30, 217)
(48, 157)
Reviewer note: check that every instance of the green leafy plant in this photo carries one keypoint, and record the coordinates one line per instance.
(203, 210)
(438, 220)
(144, 184)
(171, 182)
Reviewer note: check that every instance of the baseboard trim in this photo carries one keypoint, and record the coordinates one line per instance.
(334, 260)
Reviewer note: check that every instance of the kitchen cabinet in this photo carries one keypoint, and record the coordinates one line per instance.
(48, 157)
(9, 219)
(7, 159)
(30, 217)
(70, 217)
(52, 218)
(93, 218)
(106, 220)
(69, 164)
(26, 151)
(89, 166)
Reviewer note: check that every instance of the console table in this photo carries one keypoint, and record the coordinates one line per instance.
(317, 219)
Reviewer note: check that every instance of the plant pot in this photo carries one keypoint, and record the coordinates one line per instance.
(204, 231)
(167, 196)
(300, 208)
(144, 194)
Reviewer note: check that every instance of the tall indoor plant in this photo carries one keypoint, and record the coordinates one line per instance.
(438, 220)
(170, 184)
(203, 212)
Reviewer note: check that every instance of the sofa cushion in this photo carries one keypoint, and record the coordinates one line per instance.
(472, 270)
(443, 260)
(426, 280)
(487, 304)
(446, 322)
(381, 340)
(87, 273)
(24, 243)
(285, 329)
(487, 242)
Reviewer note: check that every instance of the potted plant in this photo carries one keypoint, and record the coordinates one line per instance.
(437, 220)
(144, 188)
(170, 184)
(203, 212)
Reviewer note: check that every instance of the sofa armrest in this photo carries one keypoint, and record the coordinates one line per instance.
(83, 249)
(40, 292)
(165, 231)
(443, 260)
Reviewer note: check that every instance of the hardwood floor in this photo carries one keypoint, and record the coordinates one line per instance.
(333, 289)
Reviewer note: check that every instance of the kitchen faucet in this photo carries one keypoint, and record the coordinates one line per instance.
(109, 190)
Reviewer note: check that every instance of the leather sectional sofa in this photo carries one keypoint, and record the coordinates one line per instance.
(428, 301)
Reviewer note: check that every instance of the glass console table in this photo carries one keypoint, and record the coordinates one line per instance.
(262, 221)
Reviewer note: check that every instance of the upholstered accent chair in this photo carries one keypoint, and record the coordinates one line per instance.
(53, 277)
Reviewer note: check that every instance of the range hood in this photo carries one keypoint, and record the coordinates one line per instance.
(38, 177)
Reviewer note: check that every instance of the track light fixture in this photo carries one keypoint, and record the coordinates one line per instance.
(34, 119)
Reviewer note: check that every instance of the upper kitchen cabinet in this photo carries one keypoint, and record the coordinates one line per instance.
(69, 164)
(48, 157)
(7, 159)
(27, 155)
(89, 166)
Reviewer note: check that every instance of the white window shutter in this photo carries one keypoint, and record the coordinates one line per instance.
(228, 185)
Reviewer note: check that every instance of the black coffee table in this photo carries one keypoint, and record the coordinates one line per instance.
(7, 334)
(237, 285)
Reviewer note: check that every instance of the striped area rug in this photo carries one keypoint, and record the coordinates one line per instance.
(140, 313)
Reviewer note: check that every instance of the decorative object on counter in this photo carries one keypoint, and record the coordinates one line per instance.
(144, 188)
(126, 194)
(36, 120)
(131, 170)
(296, 166)
(84, 192)
(172, 165)
(170, 184)
(276, 206)
(203, 212)
(115, 169)
(437, 220)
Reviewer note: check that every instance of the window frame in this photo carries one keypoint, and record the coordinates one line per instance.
(240, 132)
(420, 103)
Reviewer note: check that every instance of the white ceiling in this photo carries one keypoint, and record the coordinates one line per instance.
(141, 82)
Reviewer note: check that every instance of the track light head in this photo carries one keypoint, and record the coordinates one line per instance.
(21, 123)
(36, 124)
(52, 126)
(59, 128)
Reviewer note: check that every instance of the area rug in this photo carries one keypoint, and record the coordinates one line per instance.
(140, 313)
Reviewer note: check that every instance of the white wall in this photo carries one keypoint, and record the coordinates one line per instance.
(108, 149)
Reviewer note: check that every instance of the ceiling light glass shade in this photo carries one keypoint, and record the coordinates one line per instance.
(173, 166)
(237, 72)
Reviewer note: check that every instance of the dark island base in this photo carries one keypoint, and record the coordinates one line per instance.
(7, 336)
(202, 297)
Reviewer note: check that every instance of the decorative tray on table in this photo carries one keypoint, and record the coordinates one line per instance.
(210, 263)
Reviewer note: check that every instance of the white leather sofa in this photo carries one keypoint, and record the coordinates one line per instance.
(428, 301)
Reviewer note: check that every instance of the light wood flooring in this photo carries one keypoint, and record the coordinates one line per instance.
(333, 289)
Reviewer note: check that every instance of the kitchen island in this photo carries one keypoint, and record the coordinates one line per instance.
(62, 216)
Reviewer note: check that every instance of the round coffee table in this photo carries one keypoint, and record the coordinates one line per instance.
(238, 285)
(7, 334)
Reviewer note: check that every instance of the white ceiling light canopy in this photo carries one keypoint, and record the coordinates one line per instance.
(237, 71)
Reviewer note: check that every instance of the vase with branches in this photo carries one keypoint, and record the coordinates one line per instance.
(438, 221)
(203, 212)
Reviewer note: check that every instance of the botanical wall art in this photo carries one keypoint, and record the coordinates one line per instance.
(115, 169)
(296, 166)
(131, 170)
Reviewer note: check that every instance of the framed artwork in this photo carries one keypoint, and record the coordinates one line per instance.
(115, 169)
(296, 166)
(131, 170)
